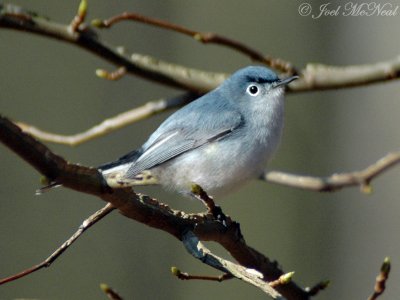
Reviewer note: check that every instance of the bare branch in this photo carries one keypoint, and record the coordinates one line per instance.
(110, 124)
(212, 208)
(380, 283)
(203, 37)
(89, 222)
(313, 77)
(283, 279)
(15, 17)
(114, 75)
(143, 208)
(251, 276)
(158, 215)
(320, 286)
(111, 294)
(80, 16)
(185, 276)
(335, 181)
(324, 77)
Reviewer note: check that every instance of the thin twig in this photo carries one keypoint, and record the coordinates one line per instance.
(335, 181)
(142, 208)
(15, 17)
(203, 37)
(314, 77)
(200, 194)
(251, 276)
(89, 222)
(380, 283)
(185, 276)
(282, 280)
(111, 294)
(320, 286)
(110, 124)
(80, 16)
(114, 75)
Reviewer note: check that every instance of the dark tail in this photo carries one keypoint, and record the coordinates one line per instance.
(48, 187)
(128, 158)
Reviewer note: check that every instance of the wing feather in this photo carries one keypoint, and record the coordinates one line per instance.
(200, 122)
(152, 158)
(177, 142)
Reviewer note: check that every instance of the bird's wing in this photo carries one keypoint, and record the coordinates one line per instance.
(176, 140)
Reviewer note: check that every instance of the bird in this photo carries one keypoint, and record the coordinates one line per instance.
(219, 141)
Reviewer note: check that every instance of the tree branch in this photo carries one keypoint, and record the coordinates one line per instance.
(79, 17)
(313, 77)
(185, 276)
(316, 289)
(143, 208)
(147, 210)
(15, 17)
(335, 181)
(114, 75)
(380, 283)
(111, 294)
(324, 77)
(110, 124)
(203, 37)
(253, 277)
(89, 222)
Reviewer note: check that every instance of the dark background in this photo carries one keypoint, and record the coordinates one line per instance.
(342, 236)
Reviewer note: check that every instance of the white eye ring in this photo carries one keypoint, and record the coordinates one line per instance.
(253, 90)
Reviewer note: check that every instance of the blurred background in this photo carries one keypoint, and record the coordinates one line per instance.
(342, 236)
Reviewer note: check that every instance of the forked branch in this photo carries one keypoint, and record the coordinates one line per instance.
(143, 208)
(336, 181)
(203, 37)
(313, 77)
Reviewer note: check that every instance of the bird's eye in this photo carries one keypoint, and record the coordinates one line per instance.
(253, 90)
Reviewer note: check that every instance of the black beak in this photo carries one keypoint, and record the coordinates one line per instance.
(285, 81)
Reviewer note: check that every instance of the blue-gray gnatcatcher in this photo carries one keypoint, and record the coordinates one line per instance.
(218, 141)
